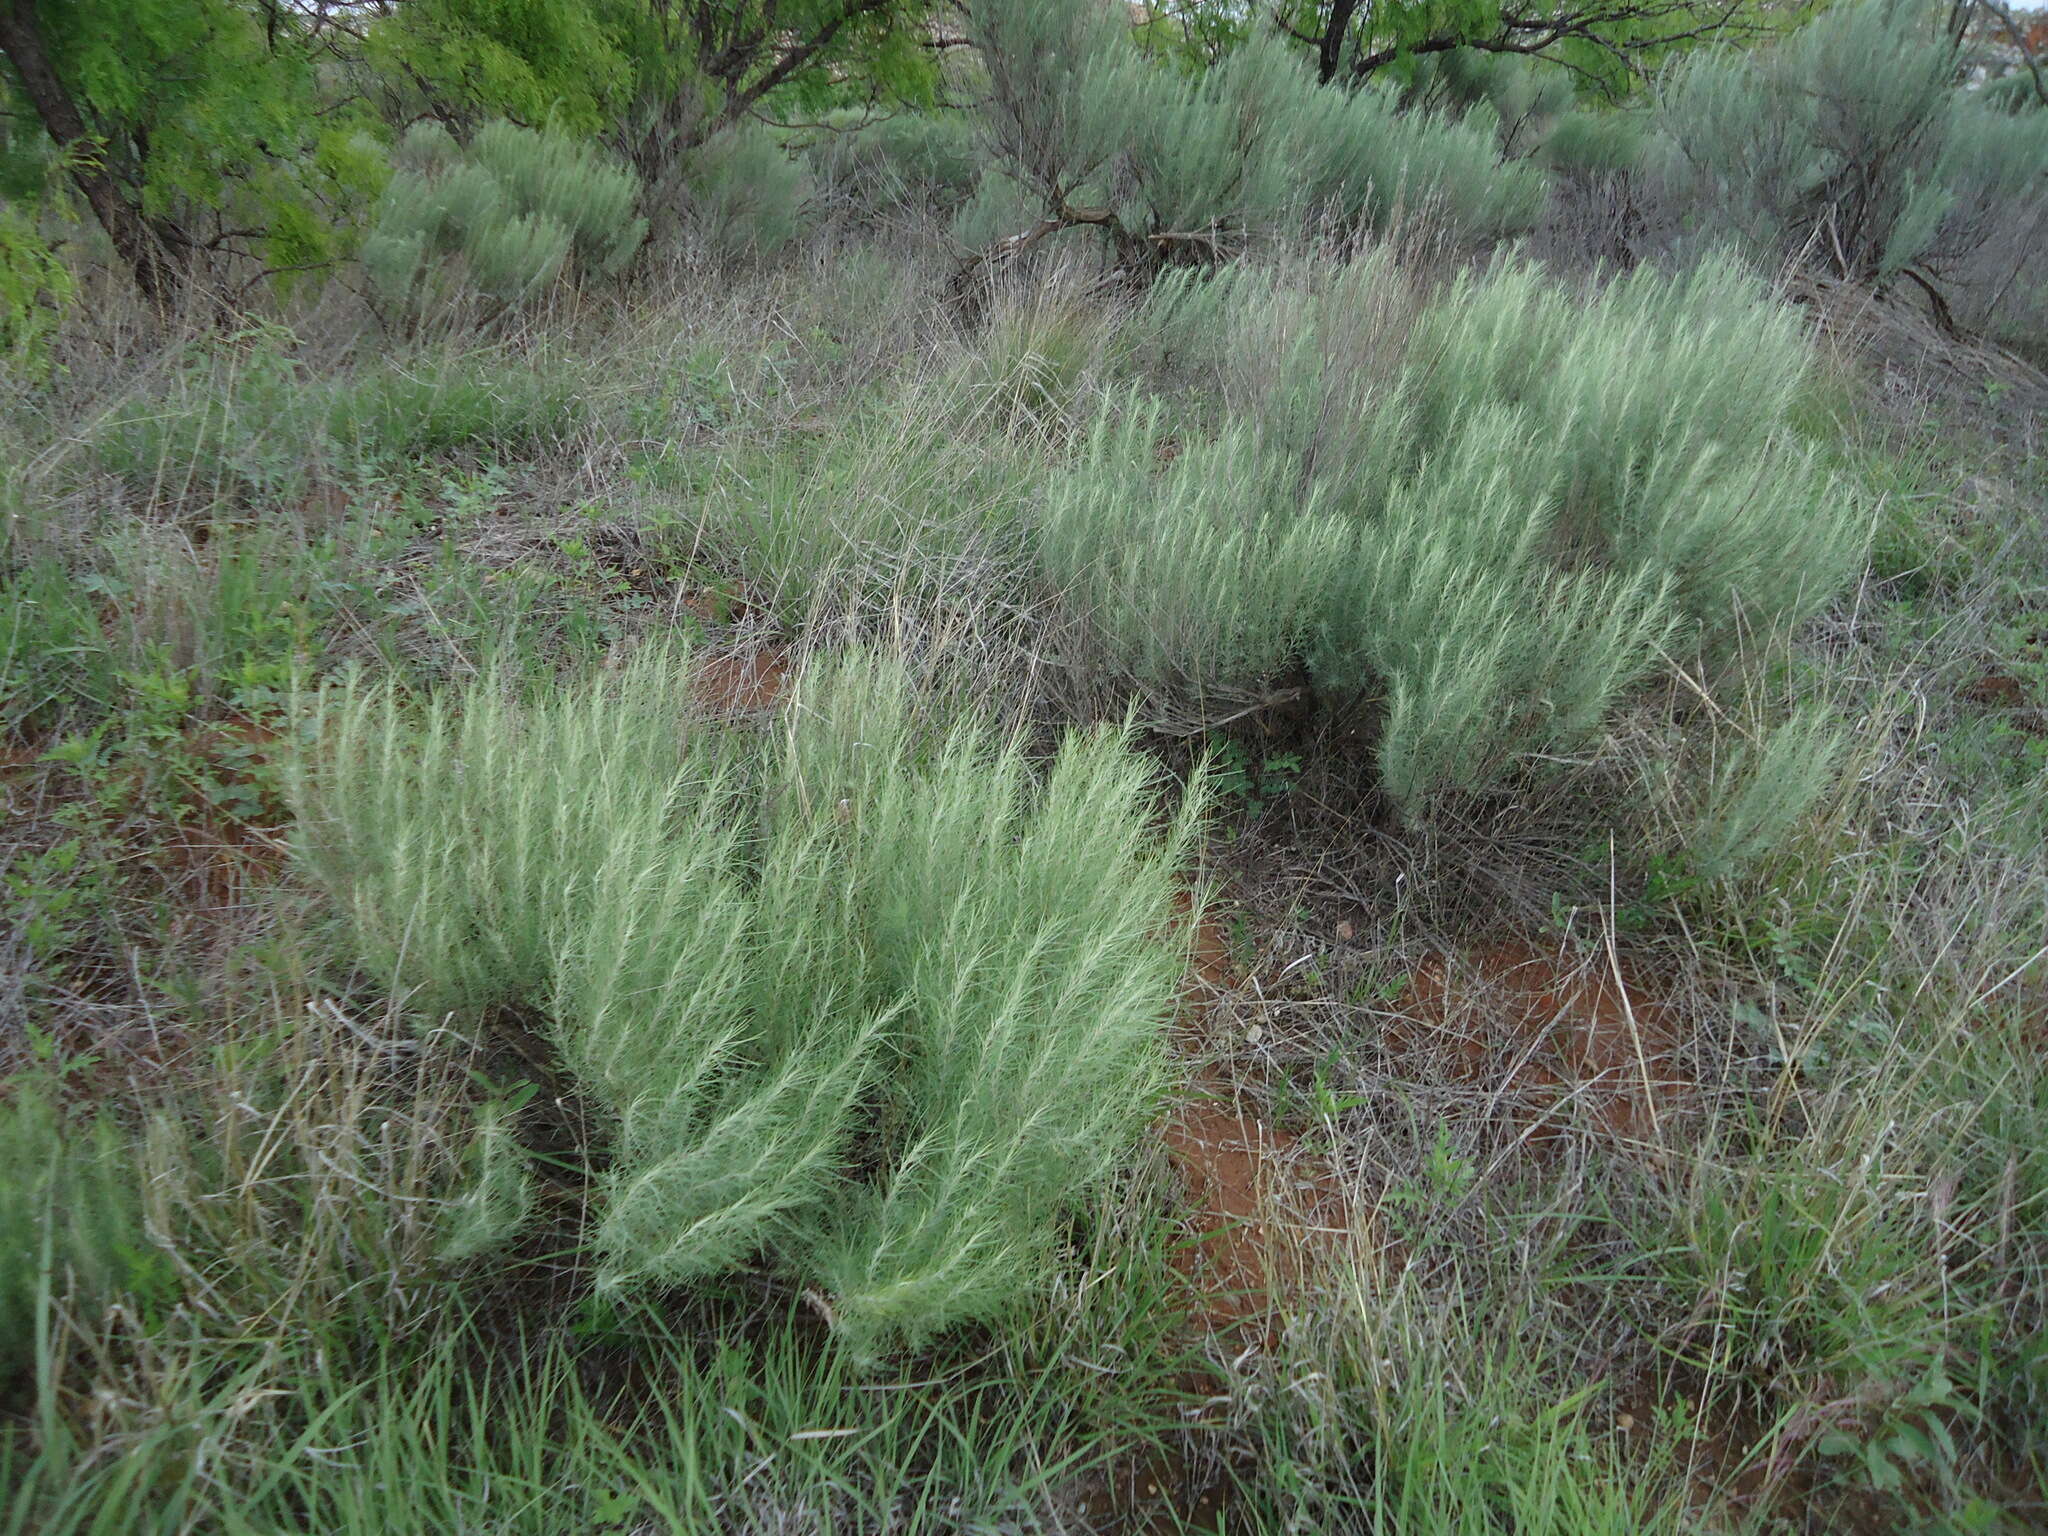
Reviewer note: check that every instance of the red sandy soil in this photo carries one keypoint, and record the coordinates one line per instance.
(1259, 1211)
(1554, 1038)
(742, 682)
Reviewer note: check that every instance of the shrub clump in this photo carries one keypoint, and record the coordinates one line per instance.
(496, 221)
(870, 1002)
(1851, 147)
(1483, 519)
(1179, 167)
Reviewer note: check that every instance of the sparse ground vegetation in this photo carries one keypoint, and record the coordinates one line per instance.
(1013, 768)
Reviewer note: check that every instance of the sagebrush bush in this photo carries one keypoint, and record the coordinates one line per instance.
(1190, 167)
(497, 220)
(1851, 146)
(1199, 586)
(746, 195)
(869, 1000)
(1484, 519)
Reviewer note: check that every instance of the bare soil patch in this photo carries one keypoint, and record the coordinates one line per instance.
(1554, 1038)
(750, 682)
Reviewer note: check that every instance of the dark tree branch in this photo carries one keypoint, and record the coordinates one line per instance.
(2003, 15)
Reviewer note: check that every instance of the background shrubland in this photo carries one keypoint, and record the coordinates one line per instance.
(1015, 767)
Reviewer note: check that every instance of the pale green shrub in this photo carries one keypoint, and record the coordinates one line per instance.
(1196, 587)
(872, 1001)
(1850, 146)
(1484, 517)
(746, 195)
(1587, 143)
(1251, 147)
(1478, 646)
(1001, 206)
(497, 221)
(1761, 789)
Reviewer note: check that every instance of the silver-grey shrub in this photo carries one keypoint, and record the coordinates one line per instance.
(498, 220)
(1483, 520)
(870, 1001)
(1198, 165)
(1850, 146)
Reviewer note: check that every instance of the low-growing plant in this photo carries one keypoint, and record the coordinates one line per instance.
(869, 1001)
(492, 223)
(1485, 522)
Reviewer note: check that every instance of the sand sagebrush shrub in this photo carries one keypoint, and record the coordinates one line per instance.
(746, 195)
(1252, 147)
(497, 220)
(1197, 587)
(1850, 146)
(868, 1000)
(1484, 518)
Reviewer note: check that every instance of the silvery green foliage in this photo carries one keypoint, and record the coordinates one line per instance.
(1482, 517)
(1850, 146)
(745, 195)
(1251, 147)
(870, 1002)
(498, 220)
(1763, 787)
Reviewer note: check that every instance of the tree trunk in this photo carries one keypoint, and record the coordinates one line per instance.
(146, 251)
(1330, 46)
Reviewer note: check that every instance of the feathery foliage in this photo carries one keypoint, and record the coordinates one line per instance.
(498, 220)
(1486, 517)
(1194, 164)
(759, 958)
(1850, 145)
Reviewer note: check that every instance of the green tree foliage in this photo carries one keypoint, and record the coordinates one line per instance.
(1178, 165)
(192, 129)
(1482, 517)
(499, 219)
(33, 286)
(1852, 147)
(868, 1000)
(656, 78)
